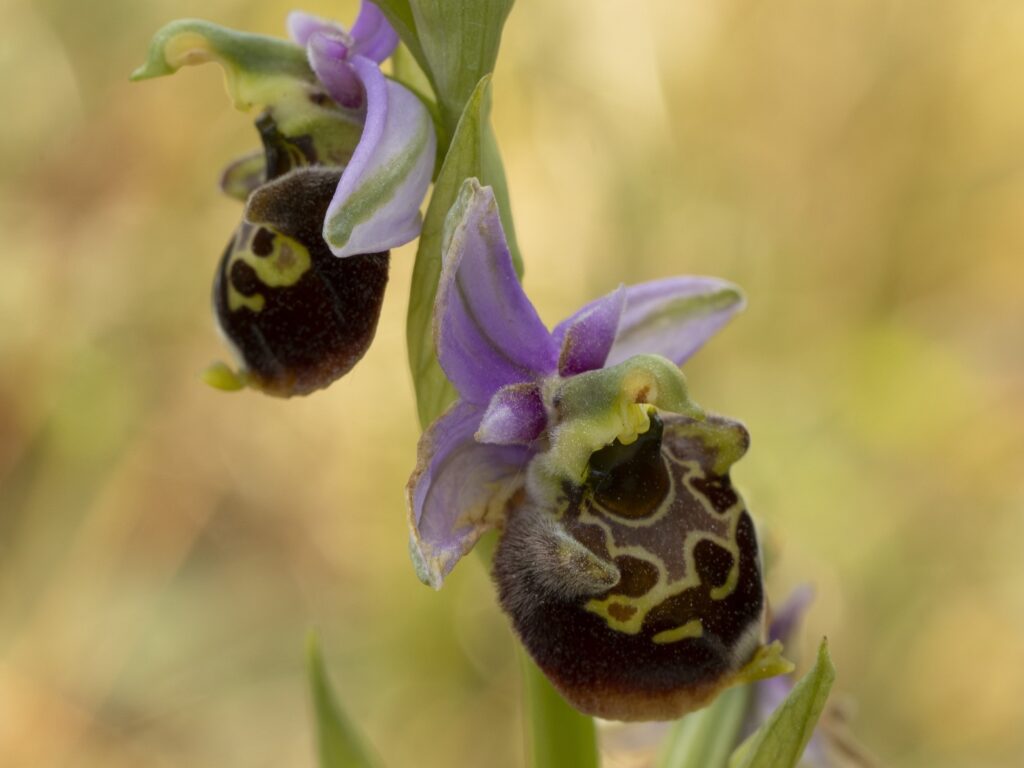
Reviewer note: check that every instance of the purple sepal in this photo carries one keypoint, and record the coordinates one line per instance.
(515, 416)
(588, 336)
(372, 34)
(673, 317)
(302, 25)
(377, 204)
(458, 489)
(488, 333)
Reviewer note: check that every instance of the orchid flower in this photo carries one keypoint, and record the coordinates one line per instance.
(628, 564)
(346, 161)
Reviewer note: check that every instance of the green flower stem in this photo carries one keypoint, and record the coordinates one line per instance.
(557, 736)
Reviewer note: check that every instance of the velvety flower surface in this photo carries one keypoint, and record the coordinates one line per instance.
(346, 160)
(627, 564)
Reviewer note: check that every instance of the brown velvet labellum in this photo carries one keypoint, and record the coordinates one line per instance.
(297, 316)
(639, 591)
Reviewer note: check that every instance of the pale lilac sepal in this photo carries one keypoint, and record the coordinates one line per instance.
(457, 491)
(515, 416)
(302, 25)
(327, 54)
(488, 334)
(377, 204)
(587, 336)
(372, 35)
(673, 317)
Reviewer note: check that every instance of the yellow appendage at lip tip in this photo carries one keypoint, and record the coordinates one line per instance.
(767, 662)
(221, 376)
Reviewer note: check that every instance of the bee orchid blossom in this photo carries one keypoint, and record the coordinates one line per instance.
(347, 157)
(627, 563)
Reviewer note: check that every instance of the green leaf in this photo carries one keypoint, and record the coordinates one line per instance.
(780, 742)
(473, 153)
(557, 735)
(339, 744)
(459, 43)
(704, 739)
(399, 13)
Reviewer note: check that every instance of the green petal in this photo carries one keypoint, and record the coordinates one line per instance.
(597, 408)
(256, 67)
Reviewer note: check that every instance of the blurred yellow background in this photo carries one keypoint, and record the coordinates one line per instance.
(856, 165)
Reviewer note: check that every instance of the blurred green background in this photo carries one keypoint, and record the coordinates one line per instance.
(856, 165)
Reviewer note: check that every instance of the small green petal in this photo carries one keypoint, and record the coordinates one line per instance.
(596, 408)
(256, 67)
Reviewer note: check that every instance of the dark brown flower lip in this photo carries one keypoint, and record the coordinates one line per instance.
(297, 316)
(686, 612)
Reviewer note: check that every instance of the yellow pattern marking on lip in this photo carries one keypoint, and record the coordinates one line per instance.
(284, 266)
(692, 628)
(665, 588)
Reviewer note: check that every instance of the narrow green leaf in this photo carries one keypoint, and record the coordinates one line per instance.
(459, 43)
(780, 742)
(557, 735)
(493, 175)
(339, 744)
(705, 739)
(399, 13)
(473, 153)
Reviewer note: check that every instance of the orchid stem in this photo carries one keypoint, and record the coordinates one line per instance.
(557, 736)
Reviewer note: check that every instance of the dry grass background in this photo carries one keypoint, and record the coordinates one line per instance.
(856, 165)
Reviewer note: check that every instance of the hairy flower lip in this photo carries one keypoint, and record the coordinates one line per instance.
(500, 356)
